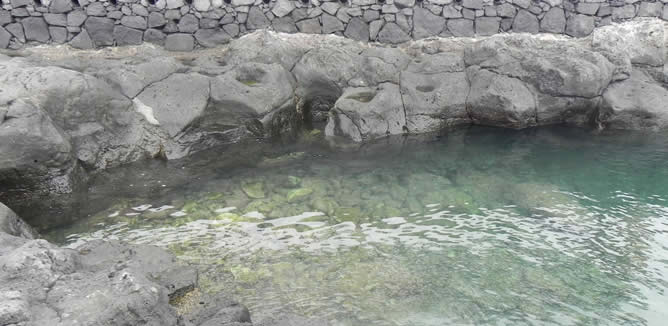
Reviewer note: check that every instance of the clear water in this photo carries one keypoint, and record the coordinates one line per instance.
(481, 226)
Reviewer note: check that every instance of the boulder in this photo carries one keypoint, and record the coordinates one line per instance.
(637, 103)
(642, 41)
(12, 224)
(366, 113)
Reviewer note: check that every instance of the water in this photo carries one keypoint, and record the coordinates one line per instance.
(549, 226)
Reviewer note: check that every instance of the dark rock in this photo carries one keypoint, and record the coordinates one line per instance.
(16, 29)
(256, 19)
(58, 34)
(35, 29)
(154, 36)
(11, 223)
(357, 29)
(426, 24)
(460, 27)
(4, 38)
(392, 33)
(56, 19)
(82, 41)
(233, 29)
(180, 42)
(136, 22)
(100, 30)
(5, 17)
(579, 25)
(212, 37)
(309, 26)
(331, 24)
(554, 21)
(525, 22)
(19, 3)
(188, 24)
(127, 36)
(284, 24)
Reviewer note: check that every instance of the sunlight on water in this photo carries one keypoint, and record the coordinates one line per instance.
(483, 226)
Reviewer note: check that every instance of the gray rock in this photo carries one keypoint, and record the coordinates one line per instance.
(156, 19)
(309, 26)
(60, 6)
(587, 8)
(136, 22)
(579, 25)
(5, 17)
(212, 37)
(366, 113)
(374, 29)
(451, 12)
(625, 12)
(233, 29)
(331, 8)
(525, 22)
(18, 3)
(16, 29)
(127, 36)
(256, 19)
(21, 12)
(11, 224)
(58, 34)
(404, 3)
(36, 29)
(426, 24)
(650, 9)
(154, 36)
(188, 24)
(100, 30)
(180, 98)
(208, 23)
(283, 7)
(284, 24)
(76, 18)
(485, 26)
(522, 3)
(139, 10)
(554, 21)
(473, 4)
(5, 37)
(357, 29)
(115, 15)
(392, 33)
(180, 42)
(370, 15)
(174, 14)
(96, 9)
(55, 19)
(637, 103)
(643, 39)
(82, 41)
(330, 24)
(461, 27)
(506, 10)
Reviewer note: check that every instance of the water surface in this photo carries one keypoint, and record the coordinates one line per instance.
(482, 226)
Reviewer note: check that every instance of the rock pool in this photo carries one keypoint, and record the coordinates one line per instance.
(484, 226)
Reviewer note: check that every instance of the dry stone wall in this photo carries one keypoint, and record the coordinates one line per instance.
(183, 25)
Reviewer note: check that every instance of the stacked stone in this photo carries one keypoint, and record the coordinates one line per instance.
(185, 24)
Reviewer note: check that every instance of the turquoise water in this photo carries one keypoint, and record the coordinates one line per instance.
(481, 226)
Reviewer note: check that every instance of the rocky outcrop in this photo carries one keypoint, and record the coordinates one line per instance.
(99, 109)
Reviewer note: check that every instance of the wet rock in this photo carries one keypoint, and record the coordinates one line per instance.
(253, 190)
(365, 113)
(11, 224)
(638, 103)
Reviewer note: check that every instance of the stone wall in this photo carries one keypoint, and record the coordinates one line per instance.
(185, 24)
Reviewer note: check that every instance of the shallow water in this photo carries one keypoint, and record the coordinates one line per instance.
(481, 226)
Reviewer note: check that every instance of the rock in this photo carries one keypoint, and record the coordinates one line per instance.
(451, 12)
(155, 36)
(11, 224)
(366, 113)
(426, 24)
(309, 26)
(60, 6)
(100, 30)
(299, 194)
(624, 12)
(202, 5)
(331, 8)
(461, 27)
(55, 19)
(374, 29)
(76, 18)
(486, 26)
(127, 36)
(498, 100)
(96, 9)
(291, 320)
(587, 8)
(139, 10)
(133, 78)
(357, 29)
(156, 19)
(136, 22)
(82, 41)
(16, 29)
(36, 29)
(212, 37)
(637, 103)
(641, 41)
(283, 8)
(256, 19)
(554, 21)
(179, 42)
(284, 24)
(4, 38)
(650, 9)
(579, 25)
(188, 24)
(253, 190)
(472, 4)
(178, 100)
(434, 90)
(525, 22)
(392, 33)
(58, 34)
(330, 24)
(5, 17)
(233, 29)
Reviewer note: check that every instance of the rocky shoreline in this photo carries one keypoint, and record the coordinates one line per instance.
(65, 114)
